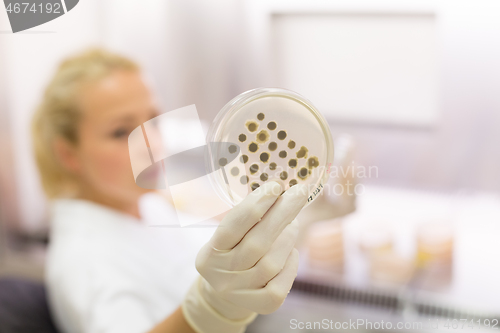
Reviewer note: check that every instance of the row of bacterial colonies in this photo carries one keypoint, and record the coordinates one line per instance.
(232, 149)
(260, 139)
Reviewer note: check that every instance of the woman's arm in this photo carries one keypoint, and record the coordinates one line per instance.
(247, 267)
(175, 323)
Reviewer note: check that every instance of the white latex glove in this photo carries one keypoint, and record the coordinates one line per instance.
(249, 265)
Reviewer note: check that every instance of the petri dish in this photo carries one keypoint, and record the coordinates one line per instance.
(268, 134)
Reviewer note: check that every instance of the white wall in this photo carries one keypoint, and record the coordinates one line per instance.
(461, 150)
(361, 67)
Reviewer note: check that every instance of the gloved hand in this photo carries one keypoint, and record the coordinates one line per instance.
(249, 264)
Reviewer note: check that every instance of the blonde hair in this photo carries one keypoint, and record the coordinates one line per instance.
(58, 113)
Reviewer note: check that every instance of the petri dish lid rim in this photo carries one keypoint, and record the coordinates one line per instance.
(249, 96)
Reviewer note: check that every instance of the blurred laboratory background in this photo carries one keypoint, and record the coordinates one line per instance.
(408, 226)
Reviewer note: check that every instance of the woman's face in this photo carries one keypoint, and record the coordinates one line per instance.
(111, 109)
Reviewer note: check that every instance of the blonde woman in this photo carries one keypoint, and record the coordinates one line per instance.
(106, 270)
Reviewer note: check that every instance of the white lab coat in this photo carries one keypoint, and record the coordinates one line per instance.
(109, 272)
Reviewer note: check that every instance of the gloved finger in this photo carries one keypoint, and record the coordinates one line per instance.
(260, 238)
(267, 267)
(268, 299)
(244, 216)
(275, 259)
(278, 288)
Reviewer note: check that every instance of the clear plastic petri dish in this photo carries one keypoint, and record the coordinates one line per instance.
(268, 134)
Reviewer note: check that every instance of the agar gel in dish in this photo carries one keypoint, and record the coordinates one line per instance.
(281, 137)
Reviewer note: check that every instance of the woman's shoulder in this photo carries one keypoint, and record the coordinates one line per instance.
(73, 214)
(84, 236)
(74, 257)
(78, 270)
(80, 276)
